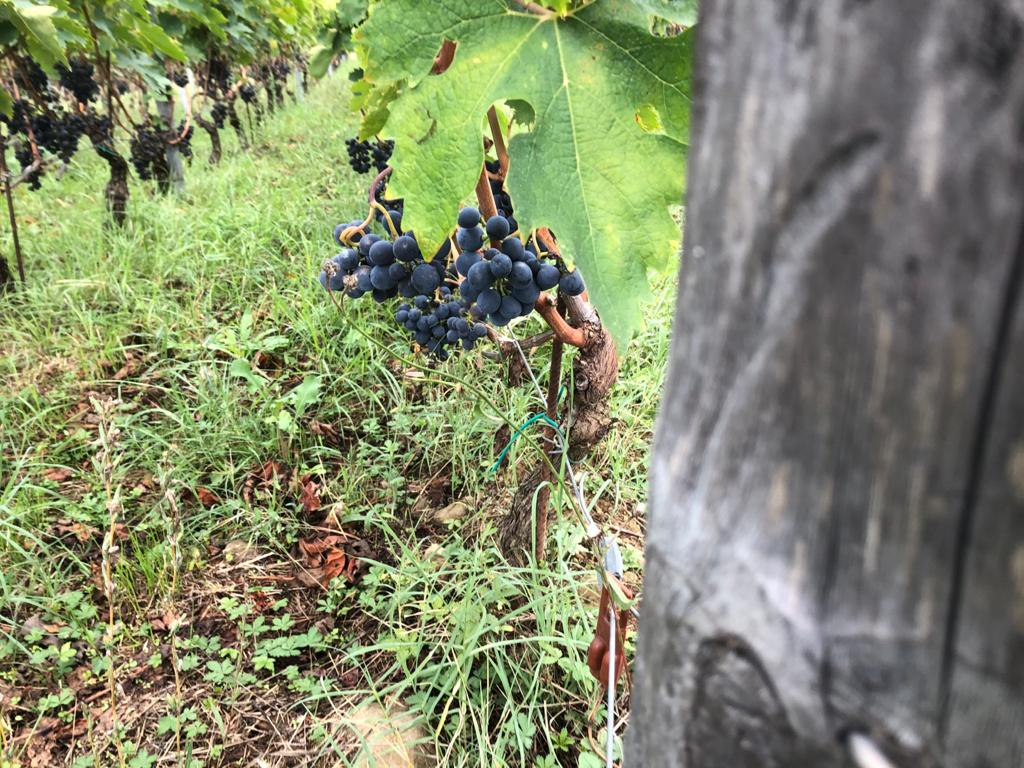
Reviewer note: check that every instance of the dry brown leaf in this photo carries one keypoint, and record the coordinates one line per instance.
(57, 474)
(80, 531)
(332, 519)
(309, 495)
(207, 497)
(268, 474)
(322, 429)
(329, 557)
(126, 370)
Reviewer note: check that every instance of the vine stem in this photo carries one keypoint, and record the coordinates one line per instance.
(567, 334)
(28, 127)
(444, 57)
(19, 259)
(551, 409)
(371, 199)
(371, 196)
(499, 143)
(27, 172)
(484, 196)
(508, 346)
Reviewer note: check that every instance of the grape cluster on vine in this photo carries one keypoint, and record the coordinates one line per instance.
(219, 113)
(218, 74)
(445, 313)
(384, 269)
(56, 131)
(363, 155)
(23, 154)
(78, 78)
(147, 152)
(503, 283)
(29, 76)
(184, 139)
(281, 69)
(502, 200)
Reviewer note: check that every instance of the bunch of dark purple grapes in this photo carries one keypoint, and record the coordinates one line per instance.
(78, 78)
(147, 152)
(219, 113)
(218, 74)
(502, 200)
(184, 142)
(498, 285)
(29, 76)
(504, 283)
(23, 154)
(57, 131)
(363, 155)
(436, 319)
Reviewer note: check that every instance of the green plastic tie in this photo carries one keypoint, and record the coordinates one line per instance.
(519, 432)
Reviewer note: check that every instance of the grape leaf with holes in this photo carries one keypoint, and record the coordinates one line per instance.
(606, 154)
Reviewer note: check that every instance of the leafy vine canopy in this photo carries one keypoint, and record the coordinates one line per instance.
(604, 91)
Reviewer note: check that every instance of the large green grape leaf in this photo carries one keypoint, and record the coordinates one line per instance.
(35, 22)
(606, 154)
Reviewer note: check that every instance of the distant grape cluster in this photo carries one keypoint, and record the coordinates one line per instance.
(23, 154)
(281, 69)
(219, 113)
(59, 133)
(56, 131)
(218, 74)
(147, 152)
(78, 78)
(184, 143)
(30, 76)
(451, 295)
(247, 93)
(363, 155)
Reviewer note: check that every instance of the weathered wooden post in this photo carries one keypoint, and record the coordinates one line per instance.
(836, 540)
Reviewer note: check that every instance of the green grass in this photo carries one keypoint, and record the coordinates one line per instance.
(184, 352)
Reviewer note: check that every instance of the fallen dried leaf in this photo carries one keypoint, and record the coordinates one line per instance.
(79, 530)
(310, 494)
(127, 369)
(239, 551)
(268, 474)
(332, 519)
(57, 474)
(322, 429)
(454, 511)
(331, 556)
(207, 497)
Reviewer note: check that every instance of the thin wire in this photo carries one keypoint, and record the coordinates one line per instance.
(610, 735)
(519, 433)
(593, 529)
